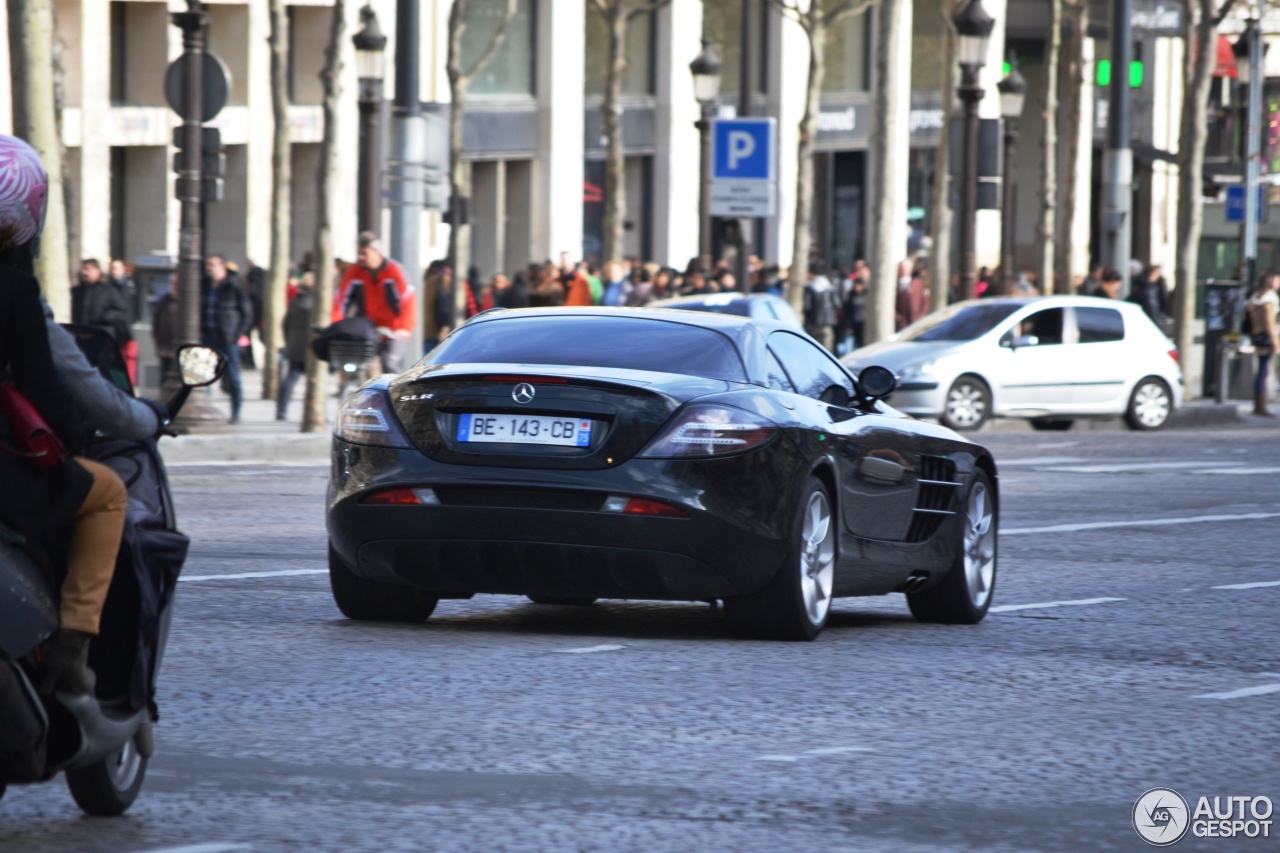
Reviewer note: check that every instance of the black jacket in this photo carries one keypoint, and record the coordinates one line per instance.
(102, 305)
(232, 315)
(297, 327)
(1153, 296)
(35, 503)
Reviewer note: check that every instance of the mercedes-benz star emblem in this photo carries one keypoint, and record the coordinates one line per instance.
(522, 393)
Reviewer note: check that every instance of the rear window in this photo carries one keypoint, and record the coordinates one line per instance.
(1099, 325)
(629, 343)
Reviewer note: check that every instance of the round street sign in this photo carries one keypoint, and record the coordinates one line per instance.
(216, 89)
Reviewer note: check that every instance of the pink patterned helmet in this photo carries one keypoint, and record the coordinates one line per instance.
(24, 191)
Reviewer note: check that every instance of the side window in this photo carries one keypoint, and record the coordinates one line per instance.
(1099, 325)
(810, 368)
(778, 380)
(1045, 326)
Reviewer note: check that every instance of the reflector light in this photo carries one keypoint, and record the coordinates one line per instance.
(656, 509)
(392, 497)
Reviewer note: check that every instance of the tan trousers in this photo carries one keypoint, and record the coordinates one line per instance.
(95, 541)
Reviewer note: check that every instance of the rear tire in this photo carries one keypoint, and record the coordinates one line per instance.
(371, 601)
(964, 594)
(1150, 405)
(967, 405)
(1051, 424)
(108, 787)
(796, 603)
(561, 600)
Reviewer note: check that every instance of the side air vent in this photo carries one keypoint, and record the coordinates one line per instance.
(935, 497)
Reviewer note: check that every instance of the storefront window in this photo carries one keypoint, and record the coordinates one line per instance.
(512, 70)
(722, 24)
(847, 55)
(638, 78)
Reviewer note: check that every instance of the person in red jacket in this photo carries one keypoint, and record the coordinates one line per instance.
(375, 287)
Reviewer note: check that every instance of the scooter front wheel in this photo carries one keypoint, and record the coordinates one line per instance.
(108, 787)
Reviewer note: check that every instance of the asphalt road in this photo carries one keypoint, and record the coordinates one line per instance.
(1135, 646)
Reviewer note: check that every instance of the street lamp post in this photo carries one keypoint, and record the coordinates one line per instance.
(706, 88)
(1013, 94)
(1248, 55)
(973, 30)
(370, 46)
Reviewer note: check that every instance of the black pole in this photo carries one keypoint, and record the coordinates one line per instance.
(407, 101)
(370, 184)
(746, 90)
(1118, 166)
(194, 24)
(1009, 202)
(704, 183)
(409, 141)
(970, 93)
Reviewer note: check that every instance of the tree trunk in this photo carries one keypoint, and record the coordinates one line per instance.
(1200, 39)
(940, 231)
(273, 298)
(1072, 84)
(615, 179)
(459, 170)
(35, 120)
(1047, 228)
(802, 238)
(313, 414)
(888, 190)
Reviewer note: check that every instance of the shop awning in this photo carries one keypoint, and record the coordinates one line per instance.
(1225, 65)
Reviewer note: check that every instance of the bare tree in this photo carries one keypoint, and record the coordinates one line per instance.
(313, 412)
(940, 230)
(460, 78)
(35, 119)
(1046, 226)
(616, 14)
(815, 17)
(1071, 83)
(1200, 22)
(281, 179)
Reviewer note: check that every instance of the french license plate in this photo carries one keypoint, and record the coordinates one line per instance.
(525, 429)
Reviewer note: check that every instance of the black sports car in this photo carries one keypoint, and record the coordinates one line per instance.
(570, 454)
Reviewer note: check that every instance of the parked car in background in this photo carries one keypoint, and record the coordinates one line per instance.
(758, 306)
(1050, 359)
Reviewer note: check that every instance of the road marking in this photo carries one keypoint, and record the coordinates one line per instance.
(1127, 467)
(1258, 585)
(1039, 460)
(589, 649)
(283, 573)
(1079, 602)
(1260, 690)
(1137, 522)
(777, 758)
(233, 463)
(837, 750)
(208, 847)
(1236, 471)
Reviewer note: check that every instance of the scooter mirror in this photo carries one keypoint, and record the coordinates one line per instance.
(200, 365)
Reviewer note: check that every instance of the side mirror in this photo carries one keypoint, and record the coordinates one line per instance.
(200, 365)
(877, 382)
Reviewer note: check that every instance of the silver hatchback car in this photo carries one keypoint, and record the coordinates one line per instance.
(1050, 359)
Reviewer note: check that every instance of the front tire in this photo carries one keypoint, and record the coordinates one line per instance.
(796, 603)
(968, 404)
(963, 596)
(1150, 405)
(370, 601)
(108, 787)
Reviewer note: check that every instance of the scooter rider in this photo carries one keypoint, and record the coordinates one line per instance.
(84, 496)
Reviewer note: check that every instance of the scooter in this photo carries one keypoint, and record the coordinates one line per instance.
(101, 742)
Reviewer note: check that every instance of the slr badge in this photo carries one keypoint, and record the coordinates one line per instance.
(523, 393)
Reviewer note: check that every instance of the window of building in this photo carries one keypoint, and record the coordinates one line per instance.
(137, 73)
(847, 55)
(722, 25)
(511, 71)
(638, 78)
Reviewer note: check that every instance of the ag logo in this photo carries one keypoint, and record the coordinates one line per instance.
(523, 393)
(1161, 816)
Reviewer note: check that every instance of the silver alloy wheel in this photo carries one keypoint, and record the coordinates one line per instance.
(123, 766)
(979, 545)
(817, 558)
(1151, 404)
(966, 404)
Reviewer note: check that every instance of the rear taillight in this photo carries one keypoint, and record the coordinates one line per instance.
(701, 431)
(642, 506)
(1173, 354)
(402, 497)
(366, 418)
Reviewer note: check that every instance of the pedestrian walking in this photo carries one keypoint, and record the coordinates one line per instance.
(226, 317)
(1109, 282)
(912, 300)
(617, 286)
(1264, 333)
(821, 308)
(165, 332)
(95, 302)
(297, 338)
(1151, 292)
(375, 287)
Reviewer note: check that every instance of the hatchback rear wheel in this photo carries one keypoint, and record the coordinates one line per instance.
(371, 601)
(1150, 405)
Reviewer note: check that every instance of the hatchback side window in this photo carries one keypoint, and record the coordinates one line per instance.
(1099, 325)
(812, 371)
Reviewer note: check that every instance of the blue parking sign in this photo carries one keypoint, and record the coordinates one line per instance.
(743, 149)
(1236, 203)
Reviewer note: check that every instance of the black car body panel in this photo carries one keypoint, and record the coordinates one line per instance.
(532, 519)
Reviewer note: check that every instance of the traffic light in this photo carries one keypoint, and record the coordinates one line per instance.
(213, 163)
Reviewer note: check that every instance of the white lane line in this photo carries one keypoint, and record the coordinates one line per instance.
(208, 847)
(1038, 460)
(1127, 467)
(1258, 585)
(777, 758)
(1260, 690)
(837, 750)
(1079, 602)
(1236, 471)
(589, 650)
(232, 463)
(1137, 522)
(283, 573)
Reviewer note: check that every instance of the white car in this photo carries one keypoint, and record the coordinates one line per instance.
(1049, 359)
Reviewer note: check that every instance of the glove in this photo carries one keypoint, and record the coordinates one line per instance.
(162, 417)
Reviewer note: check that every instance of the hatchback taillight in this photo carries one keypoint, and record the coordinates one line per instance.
(701, 431)
(1173, 354)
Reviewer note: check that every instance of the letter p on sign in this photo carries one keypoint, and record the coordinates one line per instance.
(741, 146)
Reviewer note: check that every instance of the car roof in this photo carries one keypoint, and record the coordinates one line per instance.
(1051, 300)
(727, 323)
(722, 298)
